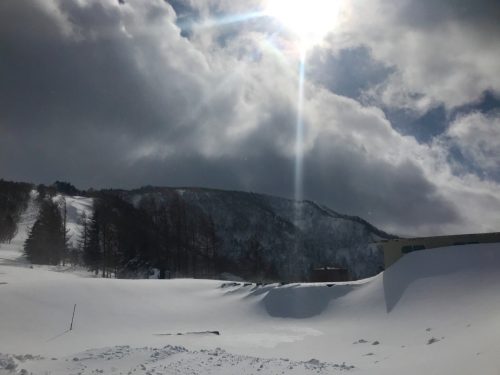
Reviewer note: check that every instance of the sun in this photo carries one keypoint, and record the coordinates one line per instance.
(308, 20)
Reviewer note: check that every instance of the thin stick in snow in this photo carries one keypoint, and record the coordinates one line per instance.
(72, 318)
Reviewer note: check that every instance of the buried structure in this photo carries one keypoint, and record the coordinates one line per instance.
(396, 248)
(329, 274)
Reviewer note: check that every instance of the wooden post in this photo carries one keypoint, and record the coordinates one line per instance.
(73, 317)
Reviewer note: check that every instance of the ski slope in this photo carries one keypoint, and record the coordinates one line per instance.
(433, 312)
(75, 207)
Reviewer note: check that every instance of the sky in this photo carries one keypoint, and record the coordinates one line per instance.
(400, 107)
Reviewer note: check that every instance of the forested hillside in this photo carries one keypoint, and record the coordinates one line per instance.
(190, 232)
(204, 232)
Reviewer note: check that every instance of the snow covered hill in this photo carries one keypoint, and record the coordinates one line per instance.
(433, 312)
(76, 207)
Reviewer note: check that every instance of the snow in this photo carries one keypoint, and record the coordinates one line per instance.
(76, 206)
(169, 360)
(433, 312)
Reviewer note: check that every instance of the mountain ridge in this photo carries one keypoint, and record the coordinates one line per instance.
(321, 235)
(255, 233)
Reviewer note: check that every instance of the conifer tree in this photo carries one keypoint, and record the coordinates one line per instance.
(14, 198)
(92, 254)
(46, 242)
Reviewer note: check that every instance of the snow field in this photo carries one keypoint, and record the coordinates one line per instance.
(434, 312)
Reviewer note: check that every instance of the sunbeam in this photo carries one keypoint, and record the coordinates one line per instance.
(226, 20)
(299, 136)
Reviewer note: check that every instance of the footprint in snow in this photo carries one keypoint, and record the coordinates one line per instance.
(360, 341)
(433, 340)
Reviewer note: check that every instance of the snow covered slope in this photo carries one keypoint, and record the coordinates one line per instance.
(75, 206)
(433, 312)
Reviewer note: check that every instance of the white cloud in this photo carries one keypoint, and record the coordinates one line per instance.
(477, 137)
(438, 50)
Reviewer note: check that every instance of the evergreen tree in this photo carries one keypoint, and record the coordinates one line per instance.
(65, 188)
(46, 242)
(179, 235)
(63, 207)
(84, 237)
(76, 253)
(255, 261)
(9, 228)
(92, 254)
(162, 259)
(14, 198)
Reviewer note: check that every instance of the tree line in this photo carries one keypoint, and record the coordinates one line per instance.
(128, 238)
(47, 240)
(121, 240)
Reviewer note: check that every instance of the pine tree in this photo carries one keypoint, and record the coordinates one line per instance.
(163, 257)
(92, 254)
(83, 239)
(64, 209)
(14, 198)
(46, 242)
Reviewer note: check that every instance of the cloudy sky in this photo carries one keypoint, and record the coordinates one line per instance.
(401, 102)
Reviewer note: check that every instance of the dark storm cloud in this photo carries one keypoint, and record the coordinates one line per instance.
(79, 106)
(68, 100)
(481, 16)
(357, 184)
(423, 127)
(348, 72)
(75, 97)
(61, 84)
(113, 95)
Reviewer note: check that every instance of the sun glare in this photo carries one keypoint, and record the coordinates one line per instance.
(309, 20)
